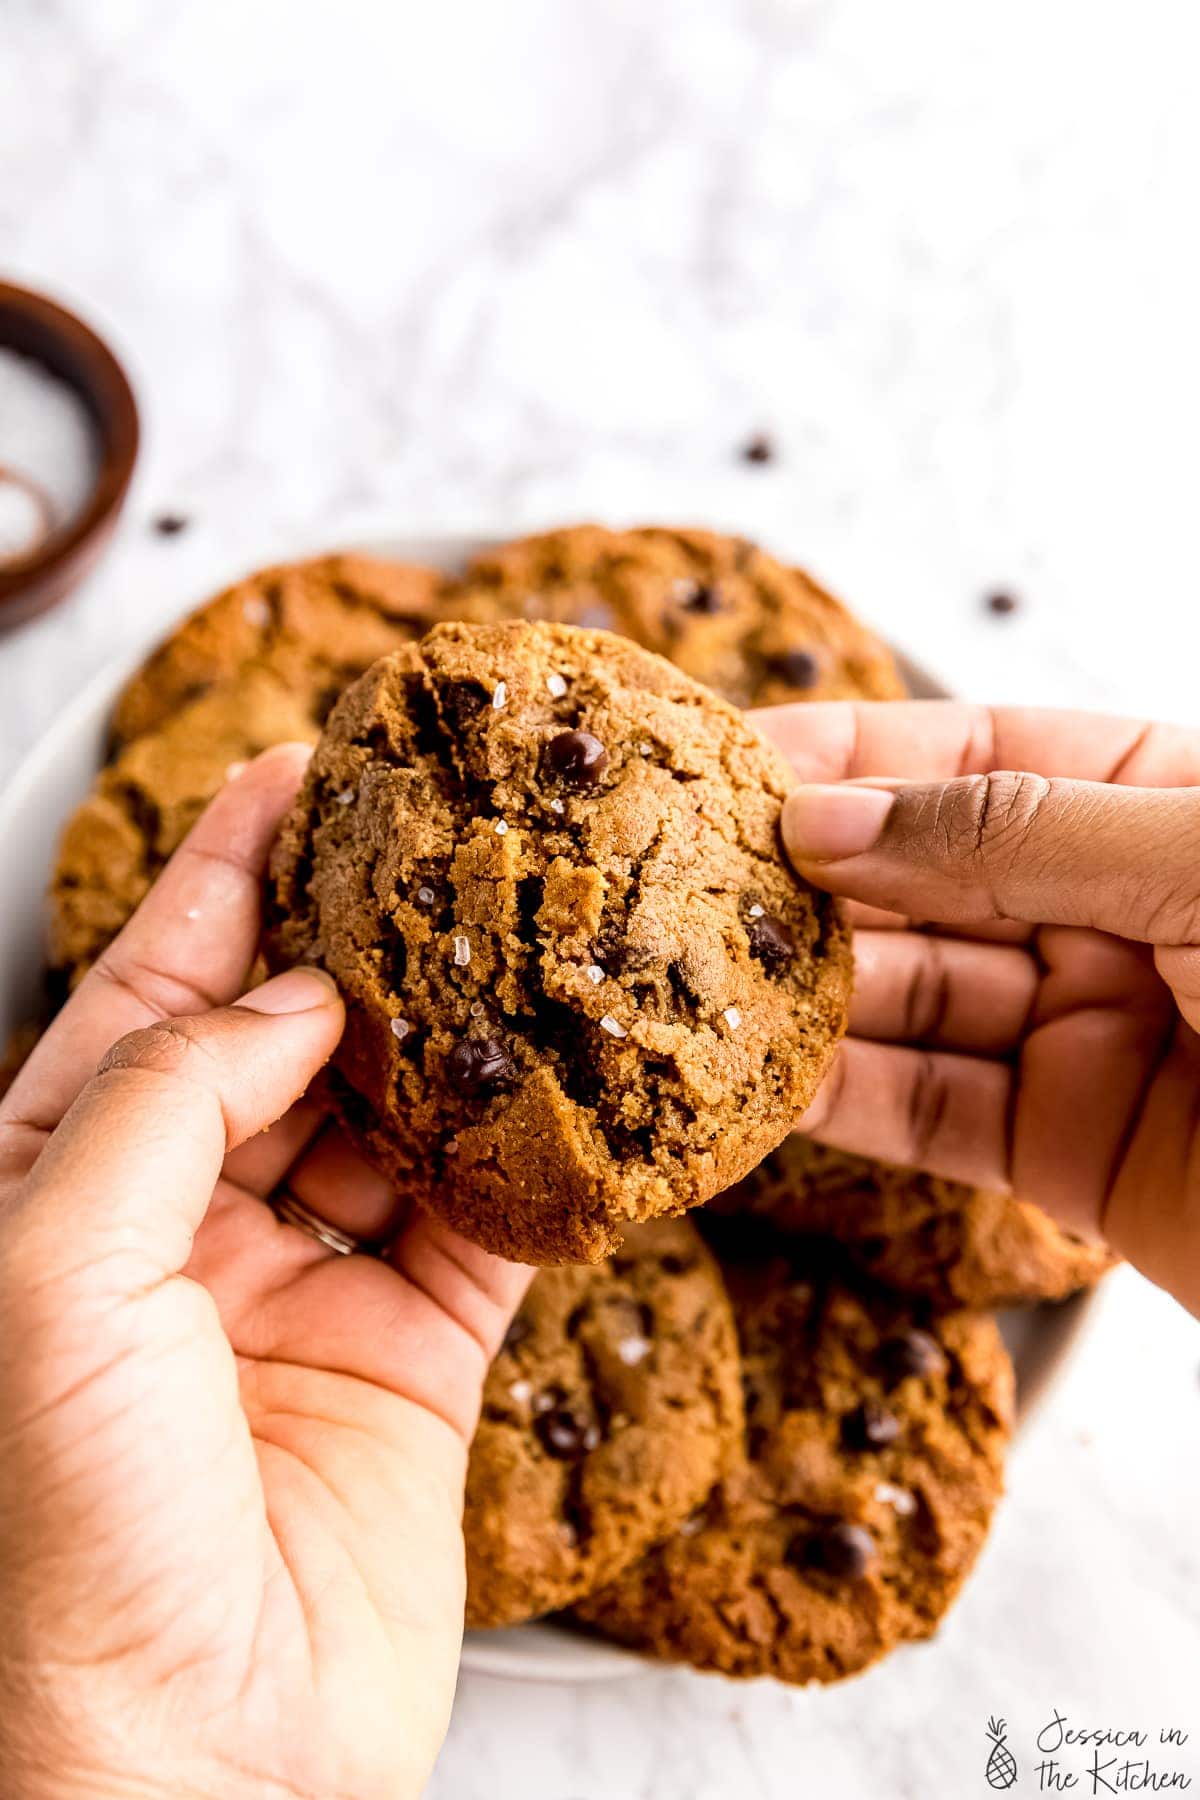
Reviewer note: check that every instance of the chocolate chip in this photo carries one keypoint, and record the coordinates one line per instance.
(799, 668)
(758, 449)
(577, 758)
(171, 524)
(700, 597)
(870, 1427)
(565, 1434)
(843, 1550)
(476, 1063)
(1001, 602)
(517, 1333)
(910, 1353)
(770, 942)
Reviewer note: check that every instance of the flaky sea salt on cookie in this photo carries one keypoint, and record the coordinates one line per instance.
(583, 987)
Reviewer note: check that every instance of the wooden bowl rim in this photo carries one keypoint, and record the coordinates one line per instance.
(39, 327)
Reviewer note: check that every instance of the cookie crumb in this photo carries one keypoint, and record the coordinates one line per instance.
(170, 524)
(1001, 601)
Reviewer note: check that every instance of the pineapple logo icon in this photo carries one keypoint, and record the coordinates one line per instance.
(1001, 1764)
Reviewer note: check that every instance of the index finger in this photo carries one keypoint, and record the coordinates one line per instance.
(936, 740)
(187, 949)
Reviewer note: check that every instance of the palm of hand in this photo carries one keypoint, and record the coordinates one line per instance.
(231, 1460)
(270, 1543)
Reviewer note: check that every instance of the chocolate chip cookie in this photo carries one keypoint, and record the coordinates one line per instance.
(145, 801)
(875, 1440)
(259, 665)
(583, 987)
(719, 608)
(316, 625)
(951, 1244)
(612, 1409)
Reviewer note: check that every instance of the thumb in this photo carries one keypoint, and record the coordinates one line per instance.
(1008, 846)
(117, 1194)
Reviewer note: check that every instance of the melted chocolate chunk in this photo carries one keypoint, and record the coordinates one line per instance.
(517, 1333)
(770, 942)
(910, 1353)
(870, 1427)
(565, 1433)
(477, 1063)
(576, 758)
(702, 597)
(843, 1550)
(800, 668)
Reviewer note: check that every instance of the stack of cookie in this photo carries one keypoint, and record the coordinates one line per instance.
(583, 994)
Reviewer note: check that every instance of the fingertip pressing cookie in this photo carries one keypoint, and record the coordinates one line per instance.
(608, 1415)
(583, 987)
(875, 1438)
(721, 609)
(945, 1242)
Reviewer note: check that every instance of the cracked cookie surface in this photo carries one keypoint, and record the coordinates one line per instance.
(948, 1243)
(609, 1413)
(874, 1448)
(721, 609)
(583, 987)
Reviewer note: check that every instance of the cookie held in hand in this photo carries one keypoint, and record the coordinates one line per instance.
(611, 1410)
(583, 987)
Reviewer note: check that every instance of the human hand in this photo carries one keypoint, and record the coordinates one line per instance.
(231, 1460)
(1028, 956)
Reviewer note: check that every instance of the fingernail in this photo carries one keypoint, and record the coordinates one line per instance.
(296, 990)
(824, 824)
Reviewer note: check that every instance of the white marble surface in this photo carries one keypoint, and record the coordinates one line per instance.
(384, 268)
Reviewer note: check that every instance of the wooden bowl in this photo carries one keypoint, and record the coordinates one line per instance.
(71, 350)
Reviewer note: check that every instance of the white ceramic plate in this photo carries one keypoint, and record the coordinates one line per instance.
(55, 775)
